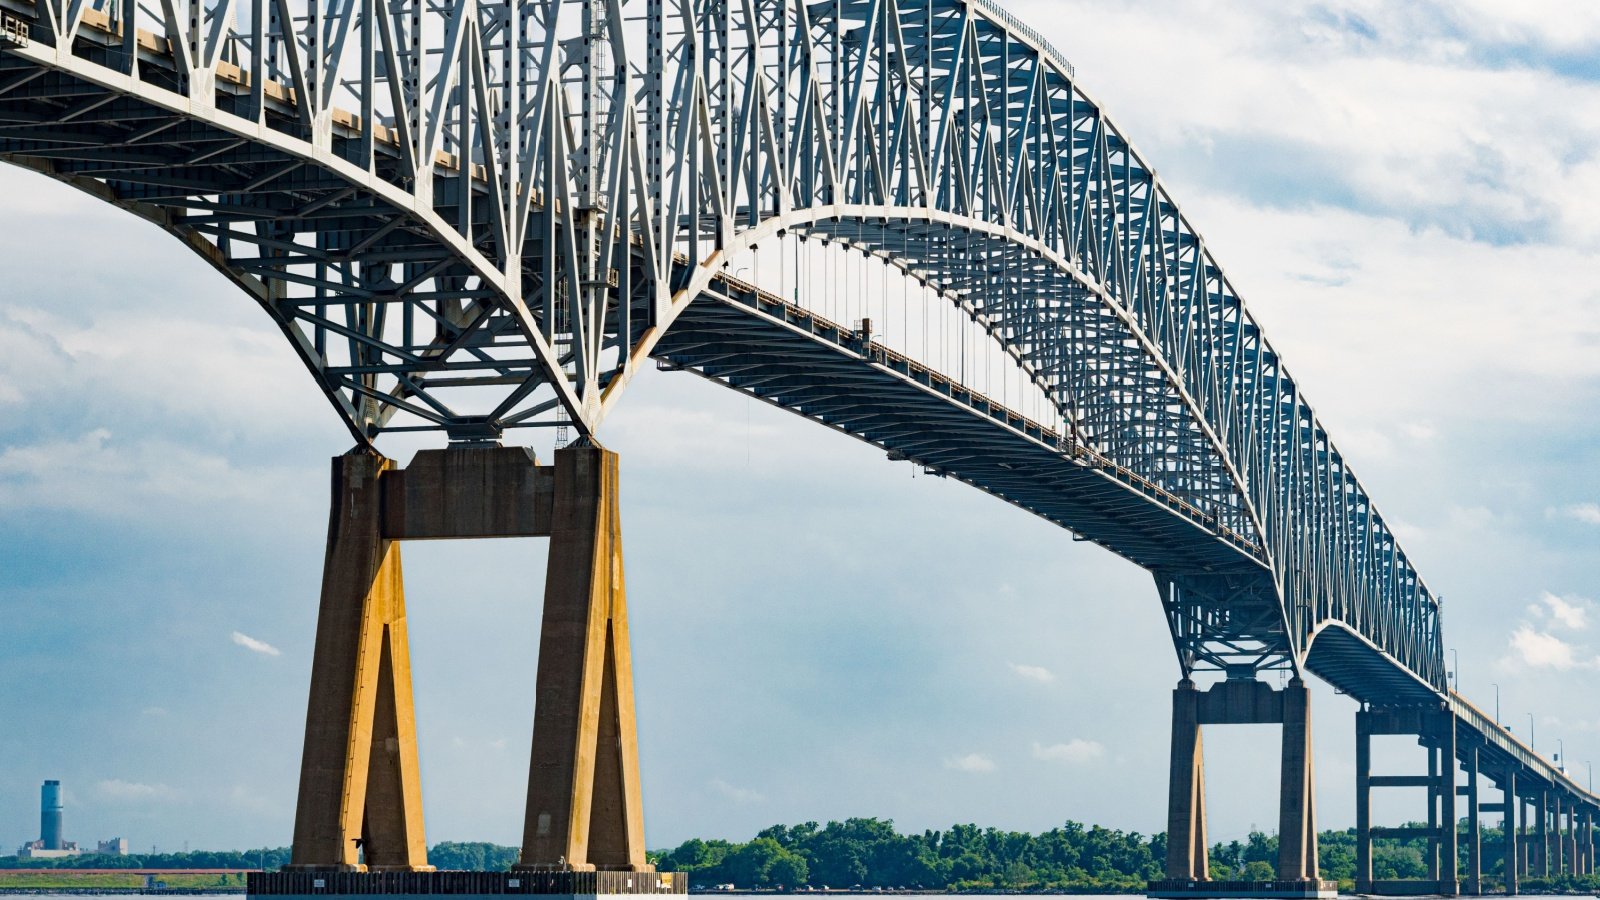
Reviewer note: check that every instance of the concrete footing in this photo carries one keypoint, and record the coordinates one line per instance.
(358, 823)
(1179, 888)
(463, 885)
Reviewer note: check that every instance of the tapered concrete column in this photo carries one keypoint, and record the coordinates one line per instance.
(359, 781)
(1363, 802)
(1297, 836)
(1187, 856)
(584, 810)
(1509, 824)
(1474, 826)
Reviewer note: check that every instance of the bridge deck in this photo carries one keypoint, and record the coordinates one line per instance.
(777, 351)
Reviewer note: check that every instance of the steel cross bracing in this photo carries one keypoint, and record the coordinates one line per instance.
(474, 216)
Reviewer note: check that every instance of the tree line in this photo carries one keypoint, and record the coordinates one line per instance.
(871, 853)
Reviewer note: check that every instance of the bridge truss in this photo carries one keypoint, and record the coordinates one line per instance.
(476, 216)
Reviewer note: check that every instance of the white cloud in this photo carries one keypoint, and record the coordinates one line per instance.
(736, 794)
(1074, 752)
(117, 789)
(97, 473)
(1571, 612)
(1420, 431)
(1541, 650)
(1033, 673)
(258, 802)
(250, 643)
(972, 762)
(1587, 513)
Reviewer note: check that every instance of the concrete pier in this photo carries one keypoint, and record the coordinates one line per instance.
(1241, 702)
(358, 822)
(1474, 885)
(1187, 854)
(584, 809)
(1511, 872)
(359, 783)
(1435, 731)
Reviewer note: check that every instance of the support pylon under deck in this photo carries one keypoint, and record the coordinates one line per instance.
(360, 789)
(358, 824)
(1241, 702)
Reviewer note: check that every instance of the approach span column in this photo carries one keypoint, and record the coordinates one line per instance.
(359, 783)
(1588, 841)
(1542, 866)
(1435, 801)
(584, 811)
(1186, 800)
(1474, 826)
(1363, 801)
(1509, 823)
(1569, 837)
(1449, 849)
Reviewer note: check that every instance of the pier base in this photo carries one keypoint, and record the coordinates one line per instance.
(462, 885)
(1189, 889)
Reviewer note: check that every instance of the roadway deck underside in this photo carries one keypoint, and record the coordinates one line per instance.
(1356, 667)
(787, 357)
(784, 364)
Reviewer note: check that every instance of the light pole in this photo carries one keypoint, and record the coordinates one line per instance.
(1531, 744)
(1455, 667)
(1561, 753)
(1497, 704)
(1591, 775)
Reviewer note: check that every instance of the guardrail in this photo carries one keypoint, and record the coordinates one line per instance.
(1015, 25)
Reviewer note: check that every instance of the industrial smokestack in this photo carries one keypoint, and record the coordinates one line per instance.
(50, 816)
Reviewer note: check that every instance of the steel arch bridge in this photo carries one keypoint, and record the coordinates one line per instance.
(473, 216)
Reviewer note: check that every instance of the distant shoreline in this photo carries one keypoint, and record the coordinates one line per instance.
(96, 891)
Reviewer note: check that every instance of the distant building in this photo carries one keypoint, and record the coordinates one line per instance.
(50, 811)
(37, 850)
(50, 844)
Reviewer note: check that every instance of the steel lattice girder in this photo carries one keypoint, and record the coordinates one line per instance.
(474, 216)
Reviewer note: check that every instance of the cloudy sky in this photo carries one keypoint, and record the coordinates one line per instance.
(1406, 193)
